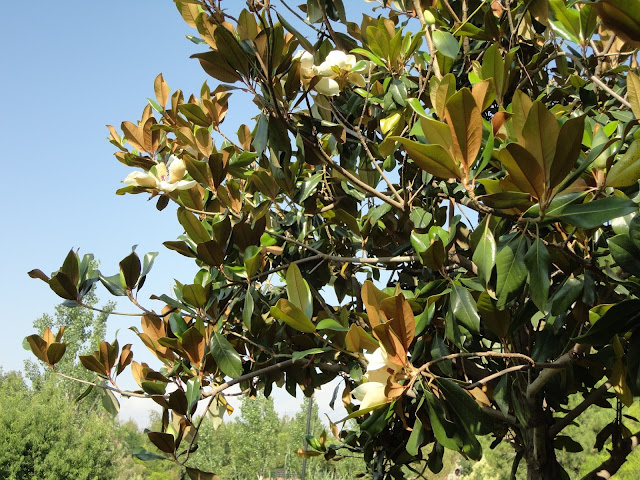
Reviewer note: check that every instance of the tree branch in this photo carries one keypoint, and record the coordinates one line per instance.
(589, 400)
(618, 457)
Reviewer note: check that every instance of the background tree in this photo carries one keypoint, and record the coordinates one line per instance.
(469, 193)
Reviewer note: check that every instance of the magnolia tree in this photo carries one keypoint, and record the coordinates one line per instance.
(437, 204)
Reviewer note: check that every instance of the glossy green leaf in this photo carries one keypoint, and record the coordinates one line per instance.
(633, 90)
(192, 226)
(626, 170)
(540, 133)
(616, 320)
(164, 441)
(511, 269)
(538, 263)
(443, 429)
(565, 20)
(433, 159)
(63, 287)
(524, 171)
(436, 133)
(464, 308)
(131, 268)
(287, 312)
(446, 43)
(305, 353)
(195, 295)
(226, 357)
(331, 324)
(625, 253)
(567, 150)
(193, 393)
(485, 255)
(595, 213)
(247, 311)
(465, 407)
(416, 438)
(298, 290)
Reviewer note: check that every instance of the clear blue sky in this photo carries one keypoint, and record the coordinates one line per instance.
(68, 69)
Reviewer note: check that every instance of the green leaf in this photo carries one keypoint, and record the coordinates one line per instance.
(436, 133)
(566, 295)
(616, 320)
(625, 253)
(626, 171)
(179, 246)
(493, 67)
(308, 187)
(485, 255)
(195, 295)
(433, 159)
(196, 474)
(193, 393)
(70, 267)
(195, 114)
(110, 402)
(538, 262)
(331, 324)
(540, 133)
(63, 287)
(465, 407)
(446, 44)
(192, 226)
(420, 218)
(247, 311)
(312, 351)
(444, 430)
(164, 441)
(297, 35)
(416, 439)
(144, 455)
(511, 269)
(567, 150)
(287, 312)
(131, 268)
(417, 107)
(633, 90)
(298, 290)
(595, 213)
(226, 357)
(524, 170)
(567, 444)
(565, 21)
(464, 308)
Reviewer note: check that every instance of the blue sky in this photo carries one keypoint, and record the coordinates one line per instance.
(68, 69)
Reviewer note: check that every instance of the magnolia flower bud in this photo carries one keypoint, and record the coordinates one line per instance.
(177, 169)
(140, 179)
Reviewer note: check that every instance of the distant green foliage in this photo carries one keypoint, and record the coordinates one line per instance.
(260, 442)
(44, 437)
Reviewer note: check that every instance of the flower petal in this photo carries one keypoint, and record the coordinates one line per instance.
(370, 394)
(141, 179)
(327, 86)
(177, 169)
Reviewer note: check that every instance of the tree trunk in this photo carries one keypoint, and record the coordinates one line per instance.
(540, 455)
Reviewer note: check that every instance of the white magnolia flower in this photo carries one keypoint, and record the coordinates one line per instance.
(336, 70)
(379, 369)
(370, 394)
(340, 65)
(163, 179)
(307, 68)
